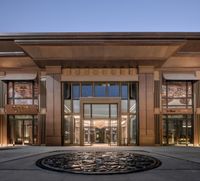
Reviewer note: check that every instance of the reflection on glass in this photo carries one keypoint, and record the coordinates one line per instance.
(177, 89)
(189, 89)
(124, 136)
(177, 102)
(87, 111)
(132, 108)
(77, 129)
(67, 126)
(19, 132)
(113, 110)
(10, 89)
(75, 91)
(164, 91)
(67, 106)
(113, 90)
(86, 90)
(23, 90)
(28, 132)
(100, 90)
(113, 132)
(133, 129)
(124, 105)
(76, 106)
(23, 101)
(124, 89)
(100, 110)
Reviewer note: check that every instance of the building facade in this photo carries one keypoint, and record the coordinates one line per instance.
(100, 88)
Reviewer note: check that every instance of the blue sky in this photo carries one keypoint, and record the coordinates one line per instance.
(99, 15)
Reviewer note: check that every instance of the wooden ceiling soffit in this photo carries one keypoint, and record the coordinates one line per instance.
(134, 50)
(16, 62)
(186, 61)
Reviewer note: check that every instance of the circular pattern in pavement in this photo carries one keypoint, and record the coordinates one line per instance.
(101, 162)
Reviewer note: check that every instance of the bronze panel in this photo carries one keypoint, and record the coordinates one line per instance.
(21, 109)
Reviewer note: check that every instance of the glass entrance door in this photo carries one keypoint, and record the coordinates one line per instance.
(22, 129)
(23, 132)
(177, 129)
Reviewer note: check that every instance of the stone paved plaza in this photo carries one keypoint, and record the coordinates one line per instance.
(178, 163)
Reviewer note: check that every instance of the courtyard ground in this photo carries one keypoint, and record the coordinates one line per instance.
(178, 163)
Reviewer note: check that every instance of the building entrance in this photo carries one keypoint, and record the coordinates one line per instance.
(22, 130)
(100, 131)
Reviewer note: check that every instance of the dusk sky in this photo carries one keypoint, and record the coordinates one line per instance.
(99, 15)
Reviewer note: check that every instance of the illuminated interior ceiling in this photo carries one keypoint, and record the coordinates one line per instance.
(100, 50)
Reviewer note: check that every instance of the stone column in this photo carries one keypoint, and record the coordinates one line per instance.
(3, 117)
(53, 101)
(146, 106)
(196, 113)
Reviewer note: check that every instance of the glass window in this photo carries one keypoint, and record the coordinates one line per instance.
(86, 90)
(87, 110)
(124, 89)
(177, 129)
(133, 129)
(10, 89)
(164, 91)
(100, 110)
(100, 90)
(23, 90)
(67, 106)
(177, 89)
(23, 101)
(177, 94)
(77, 129)
(133, 91)
(67, 131)
(75, 91)
(76, 106)
(67, 91)
(132, 108)
(113, 90)
(124, 106)
(113, 110)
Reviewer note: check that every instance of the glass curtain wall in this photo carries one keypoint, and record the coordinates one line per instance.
(72, 92)
(177, 129)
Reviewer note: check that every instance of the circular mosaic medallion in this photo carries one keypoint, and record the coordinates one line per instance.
(98, 162)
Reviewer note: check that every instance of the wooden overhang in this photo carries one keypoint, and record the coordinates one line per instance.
(84, 50)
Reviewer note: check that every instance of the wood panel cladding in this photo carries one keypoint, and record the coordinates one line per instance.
(53, 114)
(21, 109)
(146, 109)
